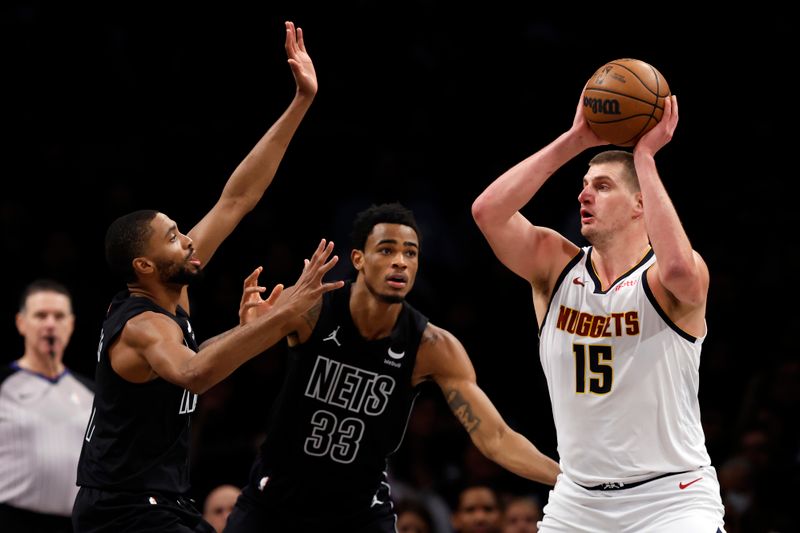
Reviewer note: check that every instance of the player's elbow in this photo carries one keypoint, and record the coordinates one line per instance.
(194, 384)
(198, 387)
(194, 379)
(481, 210)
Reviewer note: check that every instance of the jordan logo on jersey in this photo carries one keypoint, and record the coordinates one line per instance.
(332, 336)
(188, 403)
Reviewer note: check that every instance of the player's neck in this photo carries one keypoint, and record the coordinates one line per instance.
(612, 260)
(162, 295)
(373, 318)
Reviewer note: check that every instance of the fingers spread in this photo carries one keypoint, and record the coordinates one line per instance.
(276, 292)
(329, 265)
(253, 277)
(251, 290)
(332, 285)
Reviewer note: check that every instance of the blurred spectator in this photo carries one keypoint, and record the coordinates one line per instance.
(478, 510)
(219, 504)
(522, 515)
(413, 517)
(736, 485)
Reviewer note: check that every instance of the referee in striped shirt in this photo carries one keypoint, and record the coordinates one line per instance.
(43, 413)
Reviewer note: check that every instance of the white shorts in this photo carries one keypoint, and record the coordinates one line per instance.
(679, 503)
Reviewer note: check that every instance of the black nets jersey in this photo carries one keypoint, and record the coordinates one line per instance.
(137, 438)
(342, 411)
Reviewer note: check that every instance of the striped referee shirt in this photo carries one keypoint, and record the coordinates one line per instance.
(42, 422)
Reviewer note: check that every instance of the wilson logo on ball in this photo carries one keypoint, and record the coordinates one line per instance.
(602, 105)
(623, 100)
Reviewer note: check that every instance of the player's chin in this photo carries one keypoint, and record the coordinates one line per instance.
(393, 297)
(191, 274)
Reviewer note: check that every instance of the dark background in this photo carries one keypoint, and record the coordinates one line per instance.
(112, 109)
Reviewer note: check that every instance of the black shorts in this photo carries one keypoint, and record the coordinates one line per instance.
(97, 511)
(250, 516)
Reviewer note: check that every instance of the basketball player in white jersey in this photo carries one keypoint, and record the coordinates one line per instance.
(621, 323)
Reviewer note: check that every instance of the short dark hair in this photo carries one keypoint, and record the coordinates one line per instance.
(366, 220)
(619, 156)
(126, 239)
(42, 285)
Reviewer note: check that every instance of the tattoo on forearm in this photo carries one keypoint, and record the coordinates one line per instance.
(463, 411)
(312, 315)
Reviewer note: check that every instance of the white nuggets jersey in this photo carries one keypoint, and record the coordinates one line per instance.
(623, 379)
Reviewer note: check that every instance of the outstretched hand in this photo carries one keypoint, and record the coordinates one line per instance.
(310, 287)
(252, 305)
(655, 139)
(302, 68)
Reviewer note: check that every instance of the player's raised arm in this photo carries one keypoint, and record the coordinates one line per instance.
(254, 174)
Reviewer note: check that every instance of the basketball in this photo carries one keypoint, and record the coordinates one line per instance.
(623, 100)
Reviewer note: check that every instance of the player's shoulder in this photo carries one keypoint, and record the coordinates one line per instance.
(149, 325)
(441, 354)
(437, 339)
(149, 317)
(432, 333)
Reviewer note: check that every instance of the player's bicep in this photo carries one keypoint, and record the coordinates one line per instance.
(690, 286)
(531, 252)
(159, 341)
(683, 302)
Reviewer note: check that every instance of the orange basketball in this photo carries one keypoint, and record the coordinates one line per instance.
(623, 100)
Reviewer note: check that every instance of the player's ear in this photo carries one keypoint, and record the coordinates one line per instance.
(357, 257)
(143, 266)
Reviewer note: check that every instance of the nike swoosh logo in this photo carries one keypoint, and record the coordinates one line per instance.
(684, 485)
(578, 281)
(396, 355)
